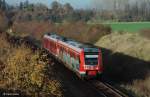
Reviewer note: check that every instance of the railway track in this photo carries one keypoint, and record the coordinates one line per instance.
(106, 89)
(73, 80)
(102, 88)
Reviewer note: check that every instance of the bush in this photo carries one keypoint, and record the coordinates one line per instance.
(77, 30)
(3, 22)
(24, 71)
(33, 28)
(83, 32)
(145, 33)
(5, 47)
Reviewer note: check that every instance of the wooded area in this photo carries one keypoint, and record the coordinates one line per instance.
(123, 10)
(116, 10)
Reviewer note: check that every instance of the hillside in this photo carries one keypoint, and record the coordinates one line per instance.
(24, 71)
(128, 61)
(131, 44)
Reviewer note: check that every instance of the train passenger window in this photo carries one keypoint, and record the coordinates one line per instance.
(91, 61)
(77, 63)
(78, 58)
(71, 54)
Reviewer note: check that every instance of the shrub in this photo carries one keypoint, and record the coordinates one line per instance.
(77, 30)
(3, 22)
(33, 28)
(5, 48)
(83, 32)
(25, 71)
(145, 33)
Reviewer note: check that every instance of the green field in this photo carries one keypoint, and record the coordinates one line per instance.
(129, 26)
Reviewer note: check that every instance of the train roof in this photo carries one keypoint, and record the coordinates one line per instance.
(71, 41)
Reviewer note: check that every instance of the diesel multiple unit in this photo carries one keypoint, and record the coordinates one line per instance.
(85, 60)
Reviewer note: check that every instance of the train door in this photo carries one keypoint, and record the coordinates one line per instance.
(60, 55)
(68, 56)
(57, 48)
(72, 60)
(49, 46)
(75, 62)
(64, 55)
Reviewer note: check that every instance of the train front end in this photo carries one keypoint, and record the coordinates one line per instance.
(91, 66)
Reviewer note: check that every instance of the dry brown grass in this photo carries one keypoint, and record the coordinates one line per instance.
(140, 87)
(24, 71)
(128, 61)
(5, 47)
(131, 44)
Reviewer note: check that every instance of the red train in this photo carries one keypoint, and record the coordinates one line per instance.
(84, 60)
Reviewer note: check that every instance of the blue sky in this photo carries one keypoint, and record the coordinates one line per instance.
(74, 3)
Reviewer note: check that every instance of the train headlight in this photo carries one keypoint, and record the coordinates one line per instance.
(96, 68)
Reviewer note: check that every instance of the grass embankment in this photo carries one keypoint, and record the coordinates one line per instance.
(129, 26)
(128, 61)
(22, 70)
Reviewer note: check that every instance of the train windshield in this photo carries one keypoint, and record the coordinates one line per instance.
(91, 59)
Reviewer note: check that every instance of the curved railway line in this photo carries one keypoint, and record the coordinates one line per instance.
(103, 89)
(106, 89)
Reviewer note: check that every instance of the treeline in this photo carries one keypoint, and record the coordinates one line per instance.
(108, 10)
(57, 12)
(122, 10)
(3, 5)
(35, 19)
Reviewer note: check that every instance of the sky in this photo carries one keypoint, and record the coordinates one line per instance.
(74, 3)
(98, 4)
